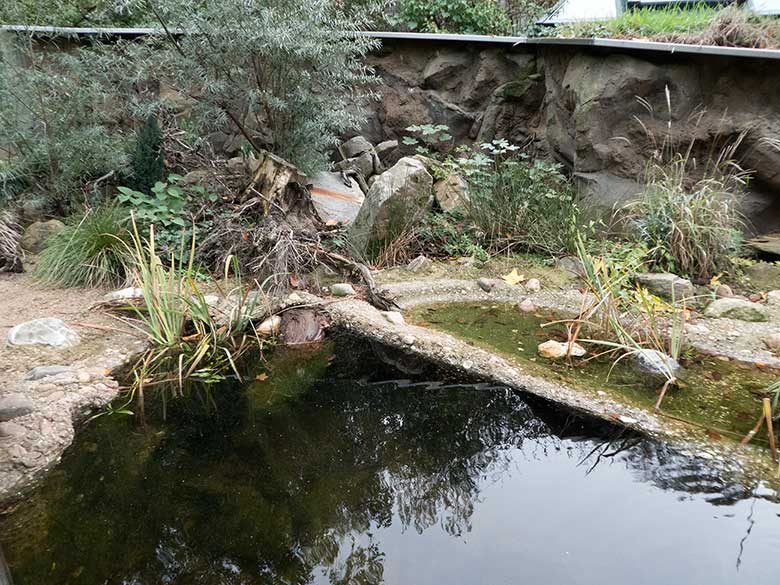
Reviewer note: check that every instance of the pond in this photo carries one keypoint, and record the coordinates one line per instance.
(333, 467)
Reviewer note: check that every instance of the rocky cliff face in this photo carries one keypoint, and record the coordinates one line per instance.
(583, 108)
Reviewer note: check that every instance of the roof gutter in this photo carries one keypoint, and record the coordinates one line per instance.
(613, 44)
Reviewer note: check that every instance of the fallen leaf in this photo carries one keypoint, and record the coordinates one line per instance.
(513, 277)
(261, 377)
(331, 222)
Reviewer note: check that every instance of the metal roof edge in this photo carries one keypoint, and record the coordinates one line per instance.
(618, 44)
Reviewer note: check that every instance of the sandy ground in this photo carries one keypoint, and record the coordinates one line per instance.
(23, 299)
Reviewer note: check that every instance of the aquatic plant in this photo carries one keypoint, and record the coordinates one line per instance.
(626, 328)
(92, 251)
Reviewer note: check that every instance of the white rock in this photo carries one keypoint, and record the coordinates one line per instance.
(533, 285)
(409, 340)
(126, 294)
(527, 306)
(555, 349)
(270, 326)
(46, 331)
(342, 289)
(394, 317)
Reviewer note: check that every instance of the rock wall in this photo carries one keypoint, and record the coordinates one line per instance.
(582, 107)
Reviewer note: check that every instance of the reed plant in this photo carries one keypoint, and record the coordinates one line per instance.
(627, 325)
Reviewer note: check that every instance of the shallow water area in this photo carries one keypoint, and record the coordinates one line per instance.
(721, 398)
(333, 467)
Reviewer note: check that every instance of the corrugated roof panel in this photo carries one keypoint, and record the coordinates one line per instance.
(582, 10)
(769, 7)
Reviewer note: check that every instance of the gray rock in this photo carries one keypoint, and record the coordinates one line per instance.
(46, 331)
(570, 265)
(486, 284)
(386, 151)
(364, 163)
(723, 291)
(335, 197)
(420, 264)
(734, 308)
(355, 147)
(773, 298)
(398, 198)
(36, 234)
(655, 364)
(764, 276)
(39, 372)
(666, 285)
(451, 193)
(342, 289)
(772, 341)
(603, 192)
(394, 317)
(14, 405)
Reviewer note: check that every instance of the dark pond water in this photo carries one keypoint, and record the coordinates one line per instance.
(334, 471)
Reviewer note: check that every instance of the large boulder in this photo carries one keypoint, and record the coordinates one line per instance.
(397, 199)
(666, 285)
(734, 308)
(354, 147)
(336, 198)
(46, 331)
(451, 193)
(37, 233)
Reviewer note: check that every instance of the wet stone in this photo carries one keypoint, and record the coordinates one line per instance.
(39, 372)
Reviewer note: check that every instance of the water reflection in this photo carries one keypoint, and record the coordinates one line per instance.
(324, 474)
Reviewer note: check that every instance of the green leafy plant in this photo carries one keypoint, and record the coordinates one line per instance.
(447, 234)
(518, 202)
(167, 207)
(453, 16)
(147, 163)
(93, 250)
(429, 139)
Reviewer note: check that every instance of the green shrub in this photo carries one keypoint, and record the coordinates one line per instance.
(518, 202)
(288, 75)
(453, 16)
(147, 163)
(58, 123)
(692, 230)
(448, 234)
(93, 250)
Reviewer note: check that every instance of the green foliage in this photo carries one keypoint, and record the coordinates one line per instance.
(429, 139)
(93, 250)
(293, 68)
(56, 123)
(167, 207)
(10, 247)
(147, 163)
(518, 202)
(452, 16)
(447, 234)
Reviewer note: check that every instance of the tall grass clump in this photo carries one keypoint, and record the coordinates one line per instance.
(521, 203)
(10, 243)
(689, 212)
(92, 251)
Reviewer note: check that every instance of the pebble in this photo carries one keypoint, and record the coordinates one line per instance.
(555, 349)
(755, 297)
(772, 341)
(723, 291)
(627, 420)
(533, 285)
(527, 306)
(84, 377)
(408, 339)
(486, 284)
(14, 405)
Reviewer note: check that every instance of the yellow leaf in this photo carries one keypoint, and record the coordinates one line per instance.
(261, 377)
(513, 277)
